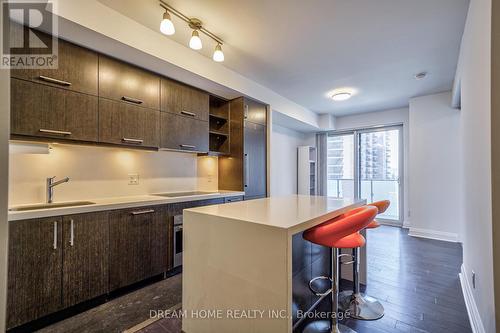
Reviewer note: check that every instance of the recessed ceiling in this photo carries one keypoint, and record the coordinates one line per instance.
(305, 49)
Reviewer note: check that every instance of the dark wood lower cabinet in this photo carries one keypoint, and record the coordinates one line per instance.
(34, 269)
(135, 236)
(85, 259)
(58, 262)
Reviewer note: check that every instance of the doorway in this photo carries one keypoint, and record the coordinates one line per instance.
(368, 164)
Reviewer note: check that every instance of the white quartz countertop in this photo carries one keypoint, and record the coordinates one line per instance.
(116, 203)
(294, 213)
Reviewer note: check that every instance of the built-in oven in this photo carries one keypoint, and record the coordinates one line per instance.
(177, 240)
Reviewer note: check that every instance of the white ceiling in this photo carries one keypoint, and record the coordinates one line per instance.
(305, 49)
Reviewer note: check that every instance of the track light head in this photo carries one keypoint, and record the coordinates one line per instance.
(166, 25)
(218, 54)
(195, 41)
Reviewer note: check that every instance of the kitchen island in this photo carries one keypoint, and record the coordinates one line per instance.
(237, 264)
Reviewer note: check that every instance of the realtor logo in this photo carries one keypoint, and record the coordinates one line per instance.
(29, 35)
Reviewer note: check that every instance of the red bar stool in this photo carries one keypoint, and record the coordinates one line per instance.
(359, 305)
(340, 232)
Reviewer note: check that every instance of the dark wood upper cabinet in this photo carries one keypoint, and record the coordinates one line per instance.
(85, 262)
(184, 100)
(42, 111)
(134, 240)
(182, 133)
(126, 124)
(34, 272)
(123, 82)
(76, 69)
(255, 112)
(245, 169)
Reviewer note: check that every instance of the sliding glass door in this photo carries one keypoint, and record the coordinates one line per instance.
(367, 164)
(340, 165)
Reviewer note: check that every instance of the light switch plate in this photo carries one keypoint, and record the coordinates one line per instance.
(133, 179)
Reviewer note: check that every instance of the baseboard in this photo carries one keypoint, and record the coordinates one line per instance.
(475, 319)
(434, 234)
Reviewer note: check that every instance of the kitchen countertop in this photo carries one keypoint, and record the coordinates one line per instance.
(295, 213)
(115, 203)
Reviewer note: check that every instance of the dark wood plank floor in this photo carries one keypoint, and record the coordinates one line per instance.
(415, 279)
(417, 282)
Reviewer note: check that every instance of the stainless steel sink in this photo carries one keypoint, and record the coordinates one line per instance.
(51, 205)
(183, 194)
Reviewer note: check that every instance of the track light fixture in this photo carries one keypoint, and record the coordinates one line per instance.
(167, 28)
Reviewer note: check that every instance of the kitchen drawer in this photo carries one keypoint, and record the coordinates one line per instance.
(76, 70)
(182, 133)
(184, 100)
(42, 111)
(126, 124)
(123, 82)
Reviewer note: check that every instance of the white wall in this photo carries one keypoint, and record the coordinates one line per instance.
(387, 117)
(476, 145)
(284, 143)
(435, 167)
(4, 183)
(100, 172)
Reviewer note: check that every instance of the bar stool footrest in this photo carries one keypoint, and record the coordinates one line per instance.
(317, 293)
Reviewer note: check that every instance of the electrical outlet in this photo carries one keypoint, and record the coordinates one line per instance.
(133, 179)
(473, 280)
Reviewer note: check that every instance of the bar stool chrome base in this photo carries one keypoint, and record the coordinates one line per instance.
(360, 306)
(323, 326)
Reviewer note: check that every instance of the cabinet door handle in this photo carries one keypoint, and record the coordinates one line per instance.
(55, 235)
(132, 100)
(64, 133)
(72, 233)
(187, 113)
(247, 170)
(134, 141)
(188, 146)
(56, 81)
(245, 113)
(140, 212)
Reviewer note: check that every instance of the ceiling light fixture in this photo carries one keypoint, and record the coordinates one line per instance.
(341, 96)
(195, 24)
(166, 25)
(218, 54)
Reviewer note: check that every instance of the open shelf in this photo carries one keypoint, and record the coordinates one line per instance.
(219, 126)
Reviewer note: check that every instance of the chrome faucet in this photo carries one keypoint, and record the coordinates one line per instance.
(50, 187)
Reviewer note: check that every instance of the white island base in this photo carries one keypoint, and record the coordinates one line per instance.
(237, 261)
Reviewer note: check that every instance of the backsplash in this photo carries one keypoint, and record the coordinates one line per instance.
(100, 172)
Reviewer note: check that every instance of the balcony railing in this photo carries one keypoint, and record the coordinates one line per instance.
(371, 190)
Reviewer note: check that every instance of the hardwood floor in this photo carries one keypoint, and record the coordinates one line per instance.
(415, 279)
(417, 282)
